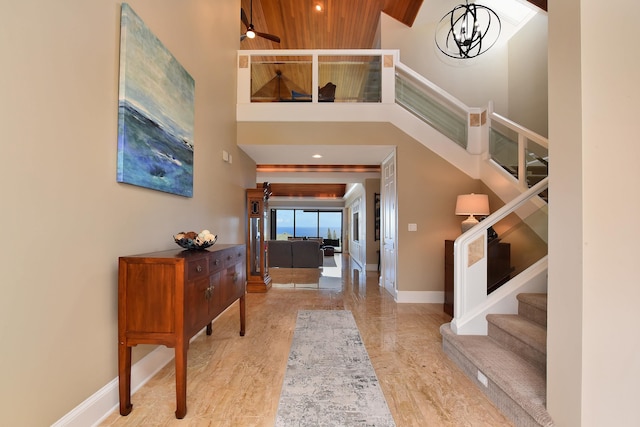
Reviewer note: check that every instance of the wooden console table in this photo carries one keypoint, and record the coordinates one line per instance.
(167, 297)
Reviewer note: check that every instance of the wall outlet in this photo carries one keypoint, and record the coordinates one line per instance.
(483, 379)
(225, 156)
(413, 227)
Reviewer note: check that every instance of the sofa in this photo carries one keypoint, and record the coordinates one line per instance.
(295, 253)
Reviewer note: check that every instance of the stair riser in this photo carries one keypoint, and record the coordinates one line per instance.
(535, 356)
(503, 402)
(533, 313)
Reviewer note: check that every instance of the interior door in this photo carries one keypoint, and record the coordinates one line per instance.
(389, 225)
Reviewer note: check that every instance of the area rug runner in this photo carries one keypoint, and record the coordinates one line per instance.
(329, 379)
(329, 261)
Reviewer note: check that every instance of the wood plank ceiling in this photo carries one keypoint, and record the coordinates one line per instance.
(339, 24)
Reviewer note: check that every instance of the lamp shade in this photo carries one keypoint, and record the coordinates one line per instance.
(472, 204)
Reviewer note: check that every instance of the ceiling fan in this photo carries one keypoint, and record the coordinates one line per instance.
(251, 32)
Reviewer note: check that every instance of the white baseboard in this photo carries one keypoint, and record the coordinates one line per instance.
(103, 402)
(423, 297)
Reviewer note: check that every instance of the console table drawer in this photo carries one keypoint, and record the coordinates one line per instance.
(217, 261)
(233, 257)
(197, 269)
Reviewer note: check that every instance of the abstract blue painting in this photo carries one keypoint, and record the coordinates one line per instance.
(155, 112)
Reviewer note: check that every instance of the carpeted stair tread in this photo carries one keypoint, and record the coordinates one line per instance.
(517, 378)
(526, 331)
(536, 300)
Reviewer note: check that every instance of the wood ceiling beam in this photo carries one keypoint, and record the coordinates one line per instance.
(542, 4)
(318, 168)
(404, 11)
(318, 191)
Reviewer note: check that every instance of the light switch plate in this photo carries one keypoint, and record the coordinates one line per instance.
(413, 227)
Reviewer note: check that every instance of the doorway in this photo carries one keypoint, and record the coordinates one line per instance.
(389, 221)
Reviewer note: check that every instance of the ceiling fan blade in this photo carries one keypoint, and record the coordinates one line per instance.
(243, 36)
(243, 18)
(268, 36)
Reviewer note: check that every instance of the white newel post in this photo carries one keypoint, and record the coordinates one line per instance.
(477, 130)
(388, 77)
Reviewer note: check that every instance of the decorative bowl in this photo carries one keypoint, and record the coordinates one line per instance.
(194, 243)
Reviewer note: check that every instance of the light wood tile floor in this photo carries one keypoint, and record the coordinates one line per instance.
(235, 381)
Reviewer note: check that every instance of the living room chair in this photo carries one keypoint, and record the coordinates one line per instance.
(327, 93)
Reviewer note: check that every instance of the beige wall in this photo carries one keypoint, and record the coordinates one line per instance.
(427, 188)
(565, 323)
(490, 74)
(65, 219)
(528, 84)
(593, 341)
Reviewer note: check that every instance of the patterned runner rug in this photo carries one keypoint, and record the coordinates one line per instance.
(329, 379)
(329, 261)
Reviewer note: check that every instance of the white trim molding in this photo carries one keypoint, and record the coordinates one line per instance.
(102, 403)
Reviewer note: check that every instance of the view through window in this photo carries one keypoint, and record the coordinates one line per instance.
(286, 223)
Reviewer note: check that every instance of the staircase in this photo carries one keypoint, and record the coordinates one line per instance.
(508, 364)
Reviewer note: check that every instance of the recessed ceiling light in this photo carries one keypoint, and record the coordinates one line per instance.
(318, 7)
(317, 156)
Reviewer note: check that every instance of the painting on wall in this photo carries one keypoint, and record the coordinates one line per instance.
(155, 112)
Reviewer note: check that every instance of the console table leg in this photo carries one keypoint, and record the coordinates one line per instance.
(124, 378)
(210, 328)
(181, 380)
(243, 309)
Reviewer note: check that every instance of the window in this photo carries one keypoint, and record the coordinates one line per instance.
(286, 223)
(306, 223)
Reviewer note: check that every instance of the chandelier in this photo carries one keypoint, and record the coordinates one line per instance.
(467, 31)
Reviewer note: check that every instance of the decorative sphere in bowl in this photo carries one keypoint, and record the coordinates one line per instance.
(193, 240)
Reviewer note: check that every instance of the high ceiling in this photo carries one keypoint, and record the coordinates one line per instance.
(339, 24)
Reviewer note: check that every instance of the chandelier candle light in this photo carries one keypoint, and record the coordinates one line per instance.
(471, 204)
(467, 31)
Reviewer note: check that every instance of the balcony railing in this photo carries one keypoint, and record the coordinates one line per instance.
(432, 105)
(373, 80)
(345, 76)
(519, 151)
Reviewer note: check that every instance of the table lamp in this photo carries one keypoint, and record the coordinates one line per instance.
(471, 204)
